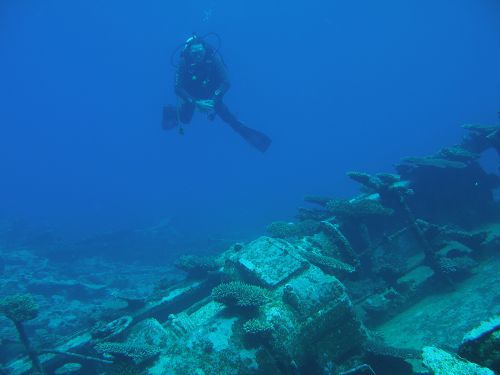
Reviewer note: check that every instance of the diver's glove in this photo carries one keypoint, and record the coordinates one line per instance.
(205, 105)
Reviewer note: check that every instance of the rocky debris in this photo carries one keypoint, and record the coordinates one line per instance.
(68, 368)
(481, 345)
(441, 235)
(142, 344)
(309, 292)
(382, 357)
(449, 191)
(19, 234)
(443, 363)
(292, 304)
(481, 137)
(433, 162)
(357, 209)
(20, 308)
(415, 282)
(397, 254)
(380, 306)
(268, 261)
(315, 199)
(329, 326)
(73, 288)
(282, 229)
(197, 266)
(340, 246)
(320, 303)
(180, 324)
(371, 183)
(176, 299)
(149, 332)
(457, 153)
(491, 243)
(289, 329)
(363, 369)
(135, 352)
(133, 301)
(107, 331)
(307, 213)
(328, 264)
(321, 243)
(454, 259)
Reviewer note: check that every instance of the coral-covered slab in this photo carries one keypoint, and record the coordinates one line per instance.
(270, 261)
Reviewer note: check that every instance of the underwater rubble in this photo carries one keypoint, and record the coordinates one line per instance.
(401, 279)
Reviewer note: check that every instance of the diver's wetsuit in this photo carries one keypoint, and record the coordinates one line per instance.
(207, 80)
(204, 80)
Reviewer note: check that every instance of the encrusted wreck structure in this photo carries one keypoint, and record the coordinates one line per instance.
(310, 297)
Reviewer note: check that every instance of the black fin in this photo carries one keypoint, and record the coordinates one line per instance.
(169, 120)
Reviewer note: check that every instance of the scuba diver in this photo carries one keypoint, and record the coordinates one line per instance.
(200, 83)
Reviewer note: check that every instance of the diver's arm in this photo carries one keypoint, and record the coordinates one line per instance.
(180, 91)
(224, 84)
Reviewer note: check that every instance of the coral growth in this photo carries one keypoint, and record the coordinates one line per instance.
(196, 266)
(283, 229)
(138, 353)
(238, 294)
(327, 264)
(19, 307)
(358, 208)
(257, 328)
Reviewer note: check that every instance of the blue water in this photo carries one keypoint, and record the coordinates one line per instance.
(338, 85)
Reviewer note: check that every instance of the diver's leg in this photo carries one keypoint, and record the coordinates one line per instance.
(186, 110)
(254, 137)
(226, 115)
